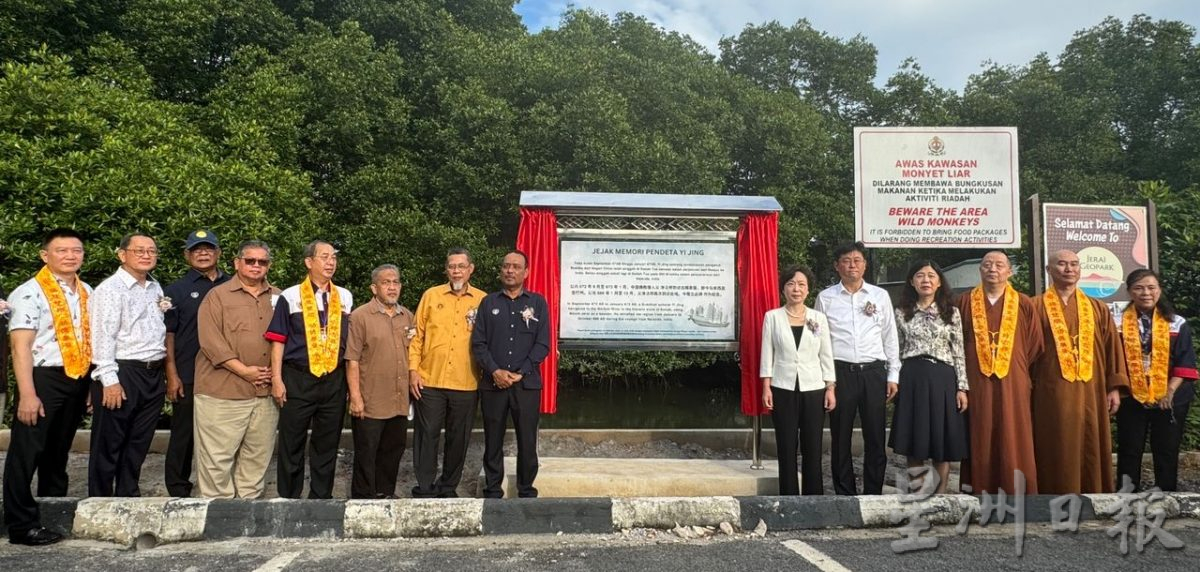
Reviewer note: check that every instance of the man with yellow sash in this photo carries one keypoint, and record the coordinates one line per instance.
(1162, 373)
(52, 355)
(1002, 340)
(308, 378)
(1077, 384)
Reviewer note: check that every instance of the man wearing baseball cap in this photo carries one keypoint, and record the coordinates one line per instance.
(202, 251)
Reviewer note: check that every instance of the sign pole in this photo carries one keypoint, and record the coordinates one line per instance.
(1036, 270)
(1152, 226)
(756, 444)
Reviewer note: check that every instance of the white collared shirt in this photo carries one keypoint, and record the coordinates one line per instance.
(127, 323)
(31, 311)
(857, 336)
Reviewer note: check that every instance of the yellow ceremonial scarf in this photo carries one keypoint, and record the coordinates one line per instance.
(323, 344)
(1147, 387)
(994, 357)
(76, 349)
(1074, 359)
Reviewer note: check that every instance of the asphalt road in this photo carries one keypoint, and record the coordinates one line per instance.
(990, 548)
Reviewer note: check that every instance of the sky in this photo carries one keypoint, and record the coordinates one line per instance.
(950, 39)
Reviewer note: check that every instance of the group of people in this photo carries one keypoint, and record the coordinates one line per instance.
(255, 373)
(1041, 377)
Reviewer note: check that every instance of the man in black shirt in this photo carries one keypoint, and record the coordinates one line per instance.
(509, 342)
(202, 252)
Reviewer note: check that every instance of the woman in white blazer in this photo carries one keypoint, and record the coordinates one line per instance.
(797, 376)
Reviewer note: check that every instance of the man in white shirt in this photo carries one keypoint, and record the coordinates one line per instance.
(51, 360)
(128, 351)
(867, 363)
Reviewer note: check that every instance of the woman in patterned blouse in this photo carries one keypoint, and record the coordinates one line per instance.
(929, 422)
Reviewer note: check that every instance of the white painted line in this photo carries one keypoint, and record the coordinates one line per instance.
(278, 563)
(814, 556)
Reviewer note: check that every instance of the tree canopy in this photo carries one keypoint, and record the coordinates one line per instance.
(400, 128)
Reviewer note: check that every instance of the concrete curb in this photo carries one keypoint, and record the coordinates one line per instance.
(669, 512)
(147, 522)
(127, 521)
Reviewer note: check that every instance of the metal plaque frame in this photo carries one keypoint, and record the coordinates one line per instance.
(645, 217)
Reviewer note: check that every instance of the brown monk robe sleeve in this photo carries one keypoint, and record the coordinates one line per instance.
(1029, 327)
(1116, 373)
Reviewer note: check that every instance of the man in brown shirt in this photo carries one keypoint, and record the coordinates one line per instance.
(377, 380)
(235, 415)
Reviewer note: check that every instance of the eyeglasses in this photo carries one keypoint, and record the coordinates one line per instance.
(150, 252)
(255, 261)
(457, 266)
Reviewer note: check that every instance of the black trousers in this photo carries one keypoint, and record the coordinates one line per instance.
(438, 410)
(524, 405)
(861, 390)
(318, 403)
(121, 437)
(799, 413)
(178, 468)
(378, 447)
(43, 448)
(1165, 429)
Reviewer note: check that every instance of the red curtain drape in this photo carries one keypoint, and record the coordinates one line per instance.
(538, 239)
(757, 267)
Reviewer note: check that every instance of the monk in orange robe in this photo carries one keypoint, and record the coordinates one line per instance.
(1002, 339)
(1078, 382)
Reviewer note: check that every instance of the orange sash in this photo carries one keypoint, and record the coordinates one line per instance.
(323, 343)
(1147, 387)
(994, 357)
(76, 347)
(1074, 359)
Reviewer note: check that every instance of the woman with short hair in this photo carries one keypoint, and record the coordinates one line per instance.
(798, 382)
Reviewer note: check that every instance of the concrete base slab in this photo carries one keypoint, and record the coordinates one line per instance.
(600, 477)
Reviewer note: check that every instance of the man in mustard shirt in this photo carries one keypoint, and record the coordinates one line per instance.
(443, 379)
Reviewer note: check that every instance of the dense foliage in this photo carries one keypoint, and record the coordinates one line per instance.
(399, 128)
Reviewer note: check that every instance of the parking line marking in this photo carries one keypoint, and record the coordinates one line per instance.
(278, 563)
(814, 556)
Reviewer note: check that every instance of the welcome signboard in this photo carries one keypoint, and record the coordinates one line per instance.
(1111, 241)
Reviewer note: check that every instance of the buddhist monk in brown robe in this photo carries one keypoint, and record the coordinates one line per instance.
(1078, 382)
(999, 349)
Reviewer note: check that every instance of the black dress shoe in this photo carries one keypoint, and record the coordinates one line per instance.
(36, 537)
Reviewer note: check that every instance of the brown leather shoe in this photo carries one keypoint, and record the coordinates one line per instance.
(36, 537)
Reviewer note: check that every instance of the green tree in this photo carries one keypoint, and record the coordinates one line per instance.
(83, 154)
(833, 74)
(1142, 77)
